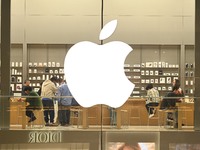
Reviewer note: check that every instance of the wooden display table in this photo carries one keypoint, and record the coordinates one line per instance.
(94, 115)
(17, 113)
(185, 110)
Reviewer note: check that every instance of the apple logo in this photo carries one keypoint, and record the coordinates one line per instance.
(95, 73)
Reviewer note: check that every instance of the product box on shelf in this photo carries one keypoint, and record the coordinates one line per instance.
(44, 64)
(12, 64)
(53, 64)
(30, 64)
(149, 64)
(35, 64)
(40, 64)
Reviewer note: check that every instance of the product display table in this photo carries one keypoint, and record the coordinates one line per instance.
(132, 106)
(17, 113)
(183, 110)
(128, 109)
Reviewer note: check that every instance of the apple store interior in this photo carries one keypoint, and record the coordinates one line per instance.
(161, 42)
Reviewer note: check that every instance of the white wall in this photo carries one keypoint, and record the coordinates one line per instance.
(71, 21)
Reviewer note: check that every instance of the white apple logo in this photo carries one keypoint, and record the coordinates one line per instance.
(95, 73)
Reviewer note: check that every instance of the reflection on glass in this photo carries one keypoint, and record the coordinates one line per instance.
(184, 146)
(130, 146)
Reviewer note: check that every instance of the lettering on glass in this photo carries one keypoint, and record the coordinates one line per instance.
(44, 137)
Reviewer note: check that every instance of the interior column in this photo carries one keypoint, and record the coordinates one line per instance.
(197, 68)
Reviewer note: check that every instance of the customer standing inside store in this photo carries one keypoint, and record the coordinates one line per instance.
(49, 90)
(59, 83)
(64, 99)
(152, 99)
(26, 83)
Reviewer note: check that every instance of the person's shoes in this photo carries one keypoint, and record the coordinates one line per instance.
(170, 120)
(64, 125)
(151, 115)
(53, 124)
(32, 119)
(47, 124)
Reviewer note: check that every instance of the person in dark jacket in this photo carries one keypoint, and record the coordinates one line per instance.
(26, 83)
(170, 100)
